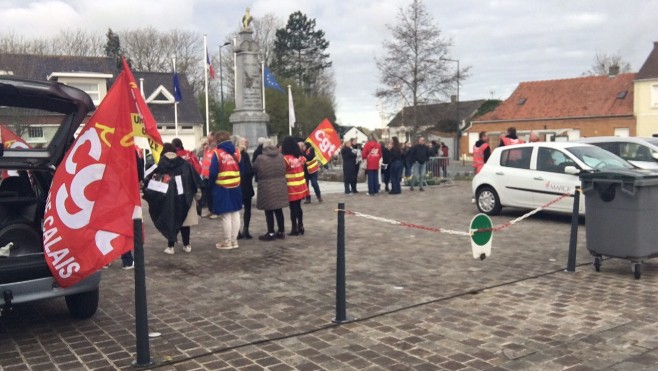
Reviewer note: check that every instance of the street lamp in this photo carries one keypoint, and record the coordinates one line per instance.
(459, 130)
(221, 80)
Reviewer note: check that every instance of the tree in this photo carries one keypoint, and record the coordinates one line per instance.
(602, 63)
(113, 47)
(413, 69)
(300, 52)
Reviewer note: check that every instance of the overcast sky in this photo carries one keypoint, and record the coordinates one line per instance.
(504, 41)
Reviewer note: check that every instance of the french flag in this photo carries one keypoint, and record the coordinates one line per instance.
(211, 70)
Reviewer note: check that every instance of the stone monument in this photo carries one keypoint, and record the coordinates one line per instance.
(249, 119)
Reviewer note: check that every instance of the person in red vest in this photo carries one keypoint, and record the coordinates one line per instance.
(481, 151)
(311, 172)
(510, 138)
(372, 153)
(296, 182)
(186, 155)
(205, 174)
(224, 175)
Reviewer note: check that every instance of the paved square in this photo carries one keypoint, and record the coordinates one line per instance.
(422, 301)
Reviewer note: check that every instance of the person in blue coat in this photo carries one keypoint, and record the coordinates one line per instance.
(224, 176)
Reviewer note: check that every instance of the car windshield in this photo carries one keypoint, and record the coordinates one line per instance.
(653, 141)
(598, 158)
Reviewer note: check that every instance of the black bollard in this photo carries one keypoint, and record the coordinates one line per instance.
(141, 315)
(341, 306)
(573, 239)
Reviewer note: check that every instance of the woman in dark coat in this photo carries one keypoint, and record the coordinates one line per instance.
(171, 208)
(270, 170)
(246, 186)
(395, 166)
(349, 167)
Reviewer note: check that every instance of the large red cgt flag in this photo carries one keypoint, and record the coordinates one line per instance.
(325, 141)
(95, 191)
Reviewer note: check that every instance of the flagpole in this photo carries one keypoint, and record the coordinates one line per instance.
(205, 74)
(175, 106)
(262, 80)
(290, 123)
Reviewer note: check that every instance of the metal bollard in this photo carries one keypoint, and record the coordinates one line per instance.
(341, 305)
(141, 314)
(573, 239)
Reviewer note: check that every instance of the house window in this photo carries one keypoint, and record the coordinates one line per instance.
(35, 132)
(654, 95)
(91, 89)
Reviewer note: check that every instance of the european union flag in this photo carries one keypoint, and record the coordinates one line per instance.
(270, 81)
(178, 94)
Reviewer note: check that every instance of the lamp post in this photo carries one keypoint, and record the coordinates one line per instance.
(221, 81)
(459, 130)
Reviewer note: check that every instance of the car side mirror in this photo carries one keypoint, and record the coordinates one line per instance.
(572, 170)
(654, 155)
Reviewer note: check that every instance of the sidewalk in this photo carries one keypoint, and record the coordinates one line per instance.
(422, 301)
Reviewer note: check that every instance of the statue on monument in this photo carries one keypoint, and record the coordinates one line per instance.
(246, 20)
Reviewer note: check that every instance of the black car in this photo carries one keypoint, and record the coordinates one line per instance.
(48, 114)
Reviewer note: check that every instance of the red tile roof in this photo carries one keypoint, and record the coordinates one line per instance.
(591, 96)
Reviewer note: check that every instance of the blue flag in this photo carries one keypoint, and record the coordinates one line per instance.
(178, 94)
(270, 81)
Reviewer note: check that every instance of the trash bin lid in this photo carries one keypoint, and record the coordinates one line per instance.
(636, 176)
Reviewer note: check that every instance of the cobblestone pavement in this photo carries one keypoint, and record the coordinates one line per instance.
(422, 301)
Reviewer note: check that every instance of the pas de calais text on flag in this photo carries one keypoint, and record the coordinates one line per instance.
(178, 94)
(94, 196)
(211, 70)
(270, 81)
(325, 141)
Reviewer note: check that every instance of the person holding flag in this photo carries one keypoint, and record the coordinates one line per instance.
(311, 172)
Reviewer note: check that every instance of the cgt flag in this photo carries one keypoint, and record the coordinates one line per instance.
(325, 141)
(95, 192)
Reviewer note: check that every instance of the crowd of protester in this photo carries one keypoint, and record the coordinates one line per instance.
(216, 181)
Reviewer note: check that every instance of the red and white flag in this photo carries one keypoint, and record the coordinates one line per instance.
(94, 195)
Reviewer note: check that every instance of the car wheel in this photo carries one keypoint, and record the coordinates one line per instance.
(487, 201)
(83, 305)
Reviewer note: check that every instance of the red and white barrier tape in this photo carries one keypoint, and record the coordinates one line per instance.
(454, 232)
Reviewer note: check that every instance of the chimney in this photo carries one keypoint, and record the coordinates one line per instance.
(453, 98)
(613, 70)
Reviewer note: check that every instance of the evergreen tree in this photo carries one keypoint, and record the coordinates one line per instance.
(300, 52)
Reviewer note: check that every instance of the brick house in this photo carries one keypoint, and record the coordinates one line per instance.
(565, 109)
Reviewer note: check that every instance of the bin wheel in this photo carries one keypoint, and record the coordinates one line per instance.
(637, 270)
(597, 264)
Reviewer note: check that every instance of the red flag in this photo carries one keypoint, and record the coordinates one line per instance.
(95, 192)
(211, 70)
(13, 141)
(10, 139)
(325, 141)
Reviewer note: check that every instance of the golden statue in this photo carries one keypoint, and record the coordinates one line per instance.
(246, 20)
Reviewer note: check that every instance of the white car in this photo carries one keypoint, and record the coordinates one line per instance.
(641, 152)
(534, 174)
